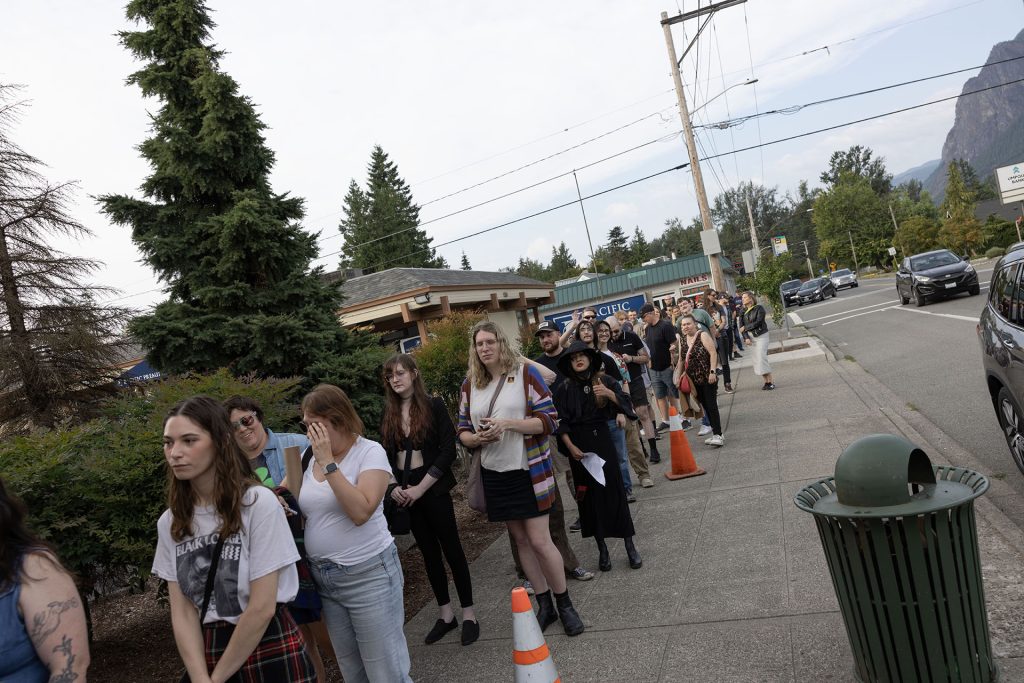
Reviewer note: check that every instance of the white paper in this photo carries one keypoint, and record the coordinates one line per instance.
(594, 465)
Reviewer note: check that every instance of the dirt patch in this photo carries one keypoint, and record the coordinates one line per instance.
(132, 637)
(791, 347)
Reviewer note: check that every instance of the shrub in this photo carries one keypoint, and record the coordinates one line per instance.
(994, 252)
(444, 360)
(96, 490)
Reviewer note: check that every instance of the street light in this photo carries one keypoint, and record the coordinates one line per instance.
(749, 81)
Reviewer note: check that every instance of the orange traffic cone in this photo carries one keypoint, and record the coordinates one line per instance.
(683, 464)
(529, 650)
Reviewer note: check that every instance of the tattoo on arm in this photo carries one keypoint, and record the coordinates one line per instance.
(45, 623)
(68, 674)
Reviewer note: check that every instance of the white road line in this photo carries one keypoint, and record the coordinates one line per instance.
(942, 315)
(833, 315)
(857, 315)
(795, 318)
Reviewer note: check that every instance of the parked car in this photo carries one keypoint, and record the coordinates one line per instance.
(937, 274)
(1001, 334)
(844, 277)
(788, 290)
(815, 289)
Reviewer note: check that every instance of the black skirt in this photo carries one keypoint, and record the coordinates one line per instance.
(509, 495)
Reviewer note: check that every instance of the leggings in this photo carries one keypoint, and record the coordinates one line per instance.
(725, 354)
(433, 525)
(707, 394)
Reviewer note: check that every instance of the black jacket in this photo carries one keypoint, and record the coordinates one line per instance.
(438, 449)
(753, 321)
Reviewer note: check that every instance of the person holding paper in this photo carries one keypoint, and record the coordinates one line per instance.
(585, 402)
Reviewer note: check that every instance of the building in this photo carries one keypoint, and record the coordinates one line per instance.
(397, 303)
(662, 283)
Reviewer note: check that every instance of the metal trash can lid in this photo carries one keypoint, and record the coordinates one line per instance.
(883, 475)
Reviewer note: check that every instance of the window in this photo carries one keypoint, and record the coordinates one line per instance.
(1003, 292)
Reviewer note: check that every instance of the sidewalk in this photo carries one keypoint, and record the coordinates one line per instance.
(734, 585)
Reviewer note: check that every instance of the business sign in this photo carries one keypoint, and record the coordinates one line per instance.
(1011, 183)
(779, 245)
(604, 309)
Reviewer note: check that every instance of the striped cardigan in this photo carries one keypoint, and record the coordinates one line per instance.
(538, 454)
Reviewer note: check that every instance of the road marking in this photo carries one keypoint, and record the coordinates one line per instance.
(941, 315)
(832, 315)
(857, 315)
(796, 318)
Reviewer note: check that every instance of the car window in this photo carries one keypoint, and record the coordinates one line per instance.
(791, 284)
(842, 271)
(929, 261)
(1003, 291)
(1016, 288)
(810, 284)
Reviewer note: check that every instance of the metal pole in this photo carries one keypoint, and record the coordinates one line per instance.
(856, 266)
(896, 231)
(593, 261)
(717, 278)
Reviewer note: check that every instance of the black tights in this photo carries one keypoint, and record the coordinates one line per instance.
(432, 519)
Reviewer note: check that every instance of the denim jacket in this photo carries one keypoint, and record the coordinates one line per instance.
(274, 451)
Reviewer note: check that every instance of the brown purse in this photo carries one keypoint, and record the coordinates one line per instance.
(474, 484)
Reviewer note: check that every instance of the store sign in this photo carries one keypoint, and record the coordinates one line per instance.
(699, 280)
(604, 309)
(1011, 183)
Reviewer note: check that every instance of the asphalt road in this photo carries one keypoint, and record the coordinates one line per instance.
(928, 356)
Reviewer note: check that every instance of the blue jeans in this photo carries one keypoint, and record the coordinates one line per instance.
(619, 439)
(364, 613)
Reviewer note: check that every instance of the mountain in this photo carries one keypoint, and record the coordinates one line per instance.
(989, 129)
(917, 173)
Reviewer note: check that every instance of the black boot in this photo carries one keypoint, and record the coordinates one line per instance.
(635, 561)
(571, 621)
(655, 455)
(546, 614)
(604, 563)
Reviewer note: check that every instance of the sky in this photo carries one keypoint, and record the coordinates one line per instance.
(474, 101)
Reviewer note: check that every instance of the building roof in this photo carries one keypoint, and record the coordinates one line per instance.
(364, 288)
(635, 280)
(989, 207)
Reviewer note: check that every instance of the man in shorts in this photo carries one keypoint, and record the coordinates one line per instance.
(631, 348)
(661, 340)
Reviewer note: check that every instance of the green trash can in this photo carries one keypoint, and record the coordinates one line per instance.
(902, 548)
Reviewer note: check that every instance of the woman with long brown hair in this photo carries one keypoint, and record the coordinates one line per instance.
(353, 556)
(35, 589)
(418, 433)
(506, 414)
(227, 555)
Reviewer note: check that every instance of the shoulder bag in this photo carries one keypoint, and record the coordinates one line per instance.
(475, 485)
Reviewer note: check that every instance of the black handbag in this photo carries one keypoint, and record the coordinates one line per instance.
(397, 516)
(207, 592)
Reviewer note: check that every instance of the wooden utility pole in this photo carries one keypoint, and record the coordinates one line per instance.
(717, 277)
(753, 228)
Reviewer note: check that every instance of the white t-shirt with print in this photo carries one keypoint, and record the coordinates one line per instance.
(330, 534)
(263, 545)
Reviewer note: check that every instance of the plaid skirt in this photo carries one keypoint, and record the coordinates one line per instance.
(280, 656)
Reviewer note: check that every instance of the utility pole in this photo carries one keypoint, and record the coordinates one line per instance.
(807, 253)
(717, 278)
(753, 228)
(856, 266)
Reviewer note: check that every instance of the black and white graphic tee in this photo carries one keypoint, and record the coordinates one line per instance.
(263, 545)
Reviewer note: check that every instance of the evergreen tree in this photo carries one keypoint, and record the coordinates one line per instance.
(57, 345)
(528, 267)
(677, 239)
(230, 250)
(465, 262)
(563, 265)
(616, 251)
(639, 249)
(381, 225)
(960, 230)
(857, 161)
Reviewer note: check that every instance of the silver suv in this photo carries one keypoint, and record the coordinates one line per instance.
(844, 277)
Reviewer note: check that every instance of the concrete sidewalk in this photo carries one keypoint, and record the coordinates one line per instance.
(734, 585)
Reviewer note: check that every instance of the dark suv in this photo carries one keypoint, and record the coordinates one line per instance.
(788, 290)
(936, 274)
(1001, 333)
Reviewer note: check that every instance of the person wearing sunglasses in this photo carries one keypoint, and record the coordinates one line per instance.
(263, 447)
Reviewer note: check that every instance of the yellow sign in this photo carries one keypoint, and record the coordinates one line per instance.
(832, 266)
(779, 245)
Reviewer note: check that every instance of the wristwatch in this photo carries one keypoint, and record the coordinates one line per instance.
(331, 468)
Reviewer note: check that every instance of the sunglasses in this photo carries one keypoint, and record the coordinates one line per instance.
(246, 421)
(589, 317)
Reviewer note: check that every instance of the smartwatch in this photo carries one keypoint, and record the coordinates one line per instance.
(331, 468)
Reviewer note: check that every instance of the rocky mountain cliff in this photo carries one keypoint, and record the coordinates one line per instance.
(989, 127)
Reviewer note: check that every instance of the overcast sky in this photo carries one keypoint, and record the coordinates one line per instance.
(458, 93)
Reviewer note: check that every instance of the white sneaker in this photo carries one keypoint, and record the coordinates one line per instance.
(705, 429)
(716, 440)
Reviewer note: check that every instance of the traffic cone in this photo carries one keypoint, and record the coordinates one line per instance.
(683, 464)
(530, 654)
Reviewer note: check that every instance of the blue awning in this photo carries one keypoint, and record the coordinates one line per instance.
(142, 372)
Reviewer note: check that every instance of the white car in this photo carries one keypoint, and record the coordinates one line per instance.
(844, 277)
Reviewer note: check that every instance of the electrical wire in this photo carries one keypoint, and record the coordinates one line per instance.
(750, 57)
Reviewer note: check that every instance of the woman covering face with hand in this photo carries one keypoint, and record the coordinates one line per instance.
(351, 553)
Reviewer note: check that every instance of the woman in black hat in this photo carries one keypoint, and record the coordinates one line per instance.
(585, 402)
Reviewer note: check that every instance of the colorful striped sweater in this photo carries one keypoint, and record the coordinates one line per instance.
(538, 455)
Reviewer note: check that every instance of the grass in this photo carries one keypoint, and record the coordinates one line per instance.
(998, 475)
(850, 358)
(913, 407)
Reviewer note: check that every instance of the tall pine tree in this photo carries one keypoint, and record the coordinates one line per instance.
(381, 225)
(234, 258)
(465, 262)
(639, 249)
(563, 265)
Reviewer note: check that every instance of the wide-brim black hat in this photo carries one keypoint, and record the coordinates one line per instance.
(565, 362)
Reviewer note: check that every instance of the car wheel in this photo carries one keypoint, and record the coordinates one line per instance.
(903, 299)
(835, 293)
(1009, 416)
(916, 296)
(855, 284)
(973, 291)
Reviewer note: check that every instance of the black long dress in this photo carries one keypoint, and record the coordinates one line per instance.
(604, 512)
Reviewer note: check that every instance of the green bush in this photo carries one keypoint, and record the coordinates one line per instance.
(994, 252)
(96, 490)
(443, 361)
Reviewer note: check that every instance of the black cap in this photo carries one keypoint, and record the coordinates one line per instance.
(546, 326)
(646, 308)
